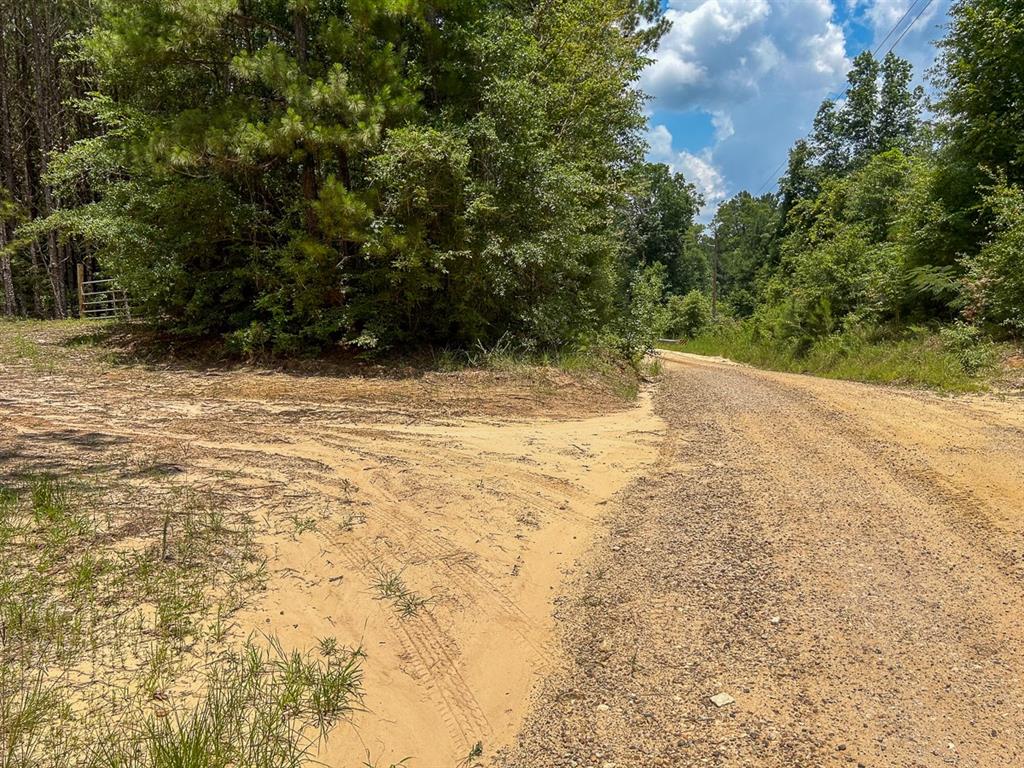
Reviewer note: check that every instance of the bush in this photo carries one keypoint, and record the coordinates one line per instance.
(645, 316)
(969, 345)
(688, 315)
(995, 277)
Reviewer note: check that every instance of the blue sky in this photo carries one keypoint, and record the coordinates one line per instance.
(736, 82)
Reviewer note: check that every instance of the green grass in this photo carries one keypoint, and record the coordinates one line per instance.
(263, 707)
(595, 363)
(108, 610)
(911, 357)
(46, 345)
(390, 586)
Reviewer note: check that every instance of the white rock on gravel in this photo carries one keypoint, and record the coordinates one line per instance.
(722, 700)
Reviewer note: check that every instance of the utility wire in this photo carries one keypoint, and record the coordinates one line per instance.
(925, 7)
(897, 26)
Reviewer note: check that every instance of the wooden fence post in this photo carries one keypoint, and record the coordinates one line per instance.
(81, 291)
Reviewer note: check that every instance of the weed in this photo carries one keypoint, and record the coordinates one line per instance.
(263, 708)
(474, 754)
(301, 525)
(391, 586)
(409, 603)
(72, 614)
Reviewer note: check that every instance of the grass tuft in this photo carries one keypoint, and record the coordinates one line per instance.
(100, 629)
(390, 586)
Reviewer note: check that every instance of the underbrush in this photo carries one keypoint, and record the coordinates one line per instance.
(69, 345)
(114, 622)
(600, 364)
(952, 359)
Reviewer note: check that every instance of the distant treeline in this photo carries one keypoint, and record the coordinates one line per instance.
(885, 219)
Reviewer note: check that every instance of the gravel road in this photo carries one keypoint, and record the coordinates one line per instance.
(846, 562)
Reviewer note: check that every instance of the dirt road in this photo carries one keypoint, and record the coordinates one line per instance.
(845, 561)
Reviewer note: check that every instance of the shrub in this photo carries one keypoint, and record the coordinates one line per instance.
(689, 315)
(995, 276)
(645, 317)
(969, 345)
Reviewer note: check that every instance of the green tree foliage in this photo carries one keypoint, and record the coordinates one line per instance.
(744, 228)
(846, 260)
(688, 315)
(982, 110)
(995, 276)
(884, 223)
(296, 173)
(644, 317)
(872, 118)
(800, 181)
(39, 82)
(982, 98)
(898, 120)
(857, 122)
(662, 216)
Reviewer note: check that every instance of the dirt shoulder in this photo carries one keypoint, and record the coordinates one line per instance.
(428, 519)
(845, 561)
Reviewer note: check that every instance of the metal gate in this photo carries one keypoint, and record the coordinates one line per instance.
(101, 299)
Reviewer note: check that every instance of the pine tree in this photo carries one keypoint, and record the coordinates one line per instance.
(299, 173)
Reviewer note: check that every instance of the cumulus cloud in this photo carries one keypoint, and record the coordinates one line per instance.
(721, 52)
(759, 69)
(699, 169)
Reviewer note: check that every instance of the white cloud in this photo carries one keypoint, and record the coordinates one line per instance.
(720, 52)
(759, 68)
(883, 15)
(699, 169)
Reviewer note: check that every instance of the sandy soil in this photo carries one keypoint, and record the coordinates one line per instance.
(845, 561)
(480, 490)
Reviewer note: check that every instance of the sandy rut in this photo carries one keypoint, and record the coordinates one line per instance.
(566, 580)
(429, 520)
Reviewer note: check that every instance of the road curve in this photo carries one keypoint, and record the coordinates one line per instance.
(845, 561)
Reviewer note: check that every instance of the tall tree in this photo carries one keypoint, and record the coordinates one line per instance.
(662, 216)
(829, 140)
(982, 101)
(801, 181)
(38, 83)
(899, 108)
(858, 127)
(872, 119)
(299, 173)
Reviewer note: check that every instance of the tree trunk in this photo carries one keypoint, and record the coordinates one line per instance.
(6, 276)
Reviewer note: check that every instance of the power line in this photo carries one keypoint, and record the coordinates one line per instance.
(911, 24)
(897, 26)
(925, 7)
